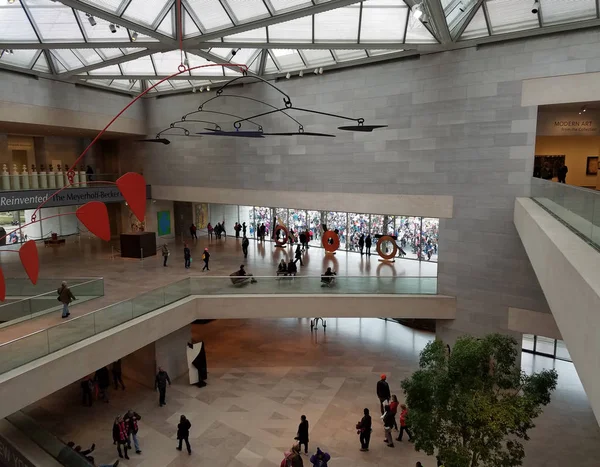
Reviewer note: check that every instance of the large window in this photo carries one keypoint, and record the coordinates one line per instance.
(545, 346)
(418, 237)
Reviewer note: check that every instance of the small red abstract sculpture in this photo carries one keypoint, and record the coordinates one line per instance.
(330, 241)
(94, 216)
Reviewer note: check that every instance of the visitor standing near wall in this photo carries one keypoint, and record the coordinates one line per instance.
(361, 243)
(245, 244)
(87, 387)
(205, 258)
(131, 424)
(368, 242)
(244, 229)
(183, 433)
(302, 435)
(187, 256)
(120, 436)
(383, 391)
(102, 378)
(160, 384)
(364, 430)
(117, 374)
(237, 228)
(165, 253)
(65, 296)
(193, 230)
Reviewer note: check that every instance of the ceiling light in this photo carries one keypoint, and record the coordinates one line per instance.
(112, 28)
(134, 36)
(301, 74)
(201, 89)
(316, 72)
(288, 76)
(418, 11)
(193, 88)
(10, 2)
(91, 19)
(208, 88)
(536, 7)
(321, 70)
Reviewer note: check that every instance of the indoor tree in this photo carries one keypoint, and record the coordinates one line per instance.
(473, 406)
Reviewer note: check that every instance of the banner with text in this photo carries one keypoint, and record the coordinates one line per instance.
(567, 124)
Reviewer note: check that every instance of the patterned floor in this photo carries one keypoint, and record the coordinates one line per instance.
(265, 374)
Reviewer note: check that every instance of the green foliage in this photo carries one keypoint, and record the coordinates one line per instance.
(475, 407)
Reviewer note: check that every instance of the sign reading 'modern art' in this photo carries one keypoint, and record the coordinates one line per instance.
(31, 199)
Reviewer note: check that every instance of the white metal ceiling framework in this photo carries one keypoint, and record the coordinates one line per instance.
(127, 45)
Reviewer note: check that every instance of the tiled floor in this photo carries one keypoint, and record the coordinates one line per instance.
(127, 278)
(264, 374)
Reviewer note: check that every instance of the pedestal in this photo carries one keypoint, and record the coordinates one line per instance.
(138, 245)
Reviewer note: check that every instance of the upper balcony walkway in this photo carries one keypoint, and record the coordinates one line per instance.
(560, 230)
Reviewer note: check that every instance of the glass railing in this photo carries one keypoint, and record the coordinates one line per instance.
(22, 286)
(28, 348)
(14, 311)
(577, 207)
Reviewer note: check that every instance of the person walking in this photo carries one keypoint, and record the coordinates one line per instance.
(87, 386)
(562, 173)
(65, 296)
(244, 229)
(210, 230)
(187, 256)
(193, 230)
(302, 435)
(160, 384)
(165, 254)
(364, 430)
(131, 418)
(183, 433)
(394, 409)
(302, 238)
(117, 374)
(102, 377)
(245, 244)
(292, 458)
(368, 242)
(298, 255)
(388, 424)
(383, 391)
(205, 258)
(237, 228)
(361, 243)
(120, 436)
(403, 424)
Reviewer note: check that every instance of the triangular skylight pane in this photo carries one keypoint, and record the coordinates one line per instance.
(476, 28)
(107, 70)
(68, 59)
(41, 64)
(346, 55)
(253, 67)
(166, 63)
(511, 15)
(456, 12)
(145, 12)
(270, 66)
(339, 25)
(556, 11)
(376, 52)
(107, 54)
(126, 84)
(281, 6)
(14, 25)
(130, 50)
(164, 86)
(195, 60)
(383, 22)
(210, 14)
(244, 56)
(167, 26)
(87, 56)
(315, 57)
(253, 35)
(58, 64)
(99, 82)
(248, 10)
(189, 27)
(139, 66)
(297, 30)
(19, 57)
(107, 5)
(101, 31)
(417, 33)
(55, 21)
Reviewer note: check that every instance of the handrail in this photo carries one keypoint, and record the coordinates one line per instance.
(51, 291)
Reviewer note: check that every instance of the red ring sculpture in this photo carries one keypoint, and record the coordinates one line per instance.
(381, 241)
(285, 237)
(330, 247)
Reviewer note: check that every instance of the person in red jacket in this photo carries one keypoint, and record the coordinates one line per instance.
(394, 409)
(403, 425)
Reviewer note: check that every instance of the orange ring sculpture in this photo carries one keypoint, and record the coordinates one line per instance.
(381, 241)
(285, 237)
(330, 247)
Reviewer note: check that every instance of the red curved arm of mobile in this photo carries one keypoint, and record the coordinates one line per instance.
(30, 260)
(133, 188)
(2, 286)
(94, 216)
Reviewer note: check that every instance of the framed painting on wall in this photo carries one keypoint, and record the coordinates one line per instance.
(163, 222)
(591, 168)
(201, 215)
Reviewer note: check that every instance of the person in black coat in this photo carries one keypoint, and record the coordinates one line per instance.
(368, 245)
(87, 386)
(117, 374)
(383, 391)
(388, 424)
(364, 431)
(291, 268)
(361, 243)
(119, 434)
(183, 433)
(160, 383)
(187, 255)
(244, 229)
(245, 244)
(102, 377)
(302, 436)
(205, 258)
(298, 255)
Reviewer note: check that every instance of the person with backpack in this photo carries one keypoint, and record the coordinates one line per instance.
(183, 433)
(302, 435)
(205, 258)
(65, 296)
(292, 458)
(245, 244)
(364, 430)
(320, 458)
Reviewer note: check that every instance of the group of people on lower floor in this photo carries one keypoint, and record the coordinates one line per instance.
(389, 408)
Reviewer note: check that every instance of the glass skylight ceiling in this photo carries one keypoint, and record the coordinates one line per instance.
(128, 45)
